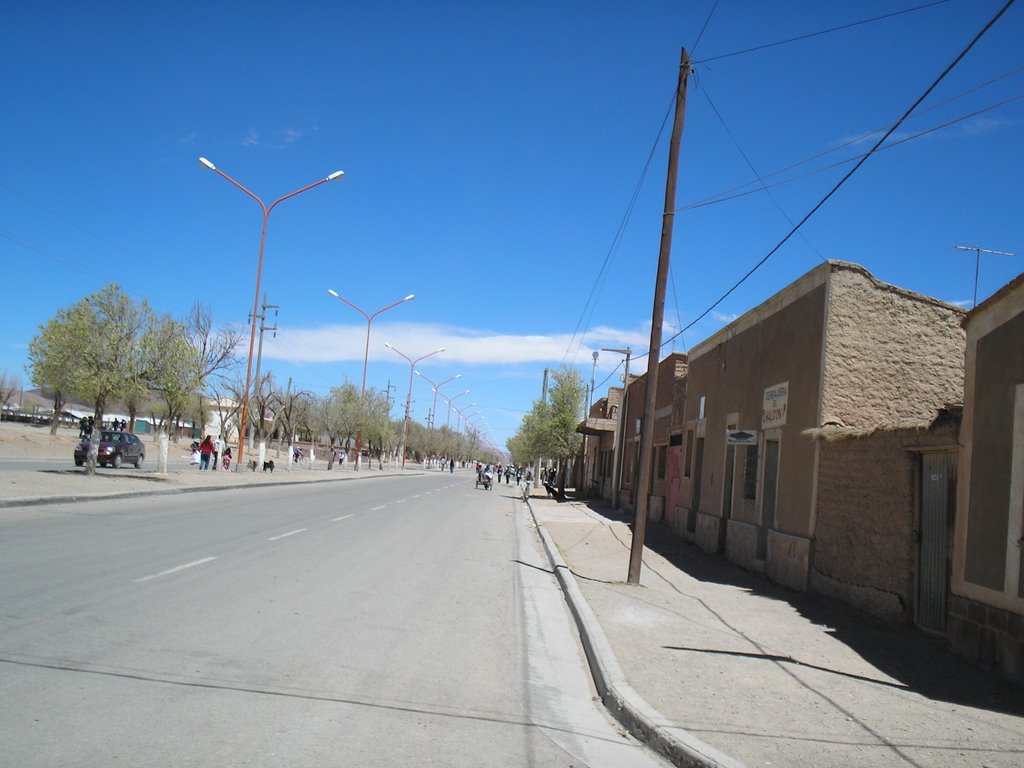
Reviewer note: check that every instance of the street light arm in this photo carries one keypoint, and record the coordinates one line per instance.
(336, 295)
(394, 304)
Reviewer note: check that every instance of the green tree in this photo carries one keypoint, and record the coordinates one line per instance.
(91, 350)
(54, 355)
(549, 429)
(170, 364)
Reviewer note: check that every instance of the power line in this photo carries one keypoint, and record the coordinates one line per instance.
(617, 239)
(726, 194)
(726, 197)
(693, 48)
(819, 33)
(750, 165)
(853, 170)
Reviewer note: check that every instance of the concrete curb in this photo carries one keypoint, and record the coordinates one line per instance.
(36, 501)
(625, 704)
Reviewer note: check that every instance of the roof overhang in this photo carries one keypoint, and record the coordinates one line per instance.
(595, 426)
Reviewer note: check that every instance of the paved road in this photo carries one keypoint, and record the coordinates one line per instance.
(408, 621)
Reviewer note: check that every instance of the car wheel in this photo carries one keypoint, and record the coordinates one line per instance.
(116, 463)
(79, 463)
(138, 461)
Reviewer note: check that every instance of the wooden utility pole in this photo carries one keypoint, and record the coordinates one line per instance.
(643, 486)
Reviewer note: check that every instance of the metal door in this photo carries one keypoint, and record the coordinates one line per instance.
(771, 487)
(675, 463)
(698, 470)
(938, 495)
(723, 524)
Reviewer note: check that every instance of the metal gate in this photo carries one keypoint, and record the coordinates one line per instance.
(938, 499)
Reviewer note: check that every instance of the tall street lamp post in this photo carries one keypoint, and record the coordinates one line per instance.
(433, 411)
(259, 273)
(451, 400)
(366, 352)
(408, 397)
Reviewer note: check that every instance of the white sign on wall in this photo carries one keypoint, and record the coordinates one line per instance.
(741, 437)
(776, 401)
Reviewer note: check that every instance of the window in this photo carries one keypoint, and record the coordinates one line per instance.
(662, 451)
(750, 473)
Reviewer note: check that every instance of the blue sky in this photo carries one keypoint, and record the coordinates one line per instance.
(502, 162)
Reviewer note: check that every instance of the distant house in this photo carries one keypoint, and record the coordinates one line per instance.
(987, 612)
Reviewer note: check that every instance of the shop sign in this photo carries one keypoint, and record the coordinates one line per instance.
(741, 437)
(776, 401)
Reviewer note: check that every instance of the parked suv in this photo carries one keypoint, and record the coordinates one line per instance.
(115, 449)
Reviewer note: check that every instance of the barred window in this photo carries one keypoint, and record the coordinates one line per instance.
(750, 473)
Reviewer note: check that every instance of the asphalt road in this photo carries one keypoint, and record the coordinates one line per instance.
(400, 622)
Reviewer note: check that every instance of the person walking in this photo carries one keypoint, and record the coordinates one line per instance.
(205, 452)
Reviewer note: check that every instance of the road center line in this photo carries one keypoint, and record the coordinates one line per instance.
(290, 533)
(401, 501)
(343, 517)
(374, 509)
(193, 564)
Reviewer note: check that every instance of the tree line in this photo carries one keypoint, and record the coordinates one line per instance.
(108, 349)
(548, 431)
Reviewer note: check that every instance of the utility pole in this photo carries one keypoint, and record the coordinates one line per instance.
(620, 432)
(543, 399)
(977, 263)
(657, 317)
(259, 358)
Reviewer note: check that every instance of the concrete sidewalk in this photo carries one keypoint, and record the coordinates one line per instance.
(713, 665)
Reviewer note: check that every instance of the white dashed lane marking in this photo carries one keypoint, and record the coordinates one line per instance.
(290, 533)
(169, 571)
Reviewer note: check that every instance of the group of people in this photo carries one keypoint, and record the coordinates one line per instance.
(87, 424)
(507, 471)
(207, 453)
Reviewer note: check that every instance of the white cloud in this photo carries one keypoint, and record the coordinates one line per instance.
(252, 139)
(336, 343)
(723, 318)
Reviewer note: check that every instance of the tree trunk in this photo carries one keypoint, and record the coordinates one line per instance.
(58, 406)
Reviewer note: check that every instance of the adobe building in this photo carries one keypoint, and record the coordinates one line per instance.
(806, 426)
(599, 430)
(986, 617)
(667, 441)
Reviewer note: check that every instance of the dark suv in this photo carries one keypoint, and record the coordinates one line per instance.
(115, 449)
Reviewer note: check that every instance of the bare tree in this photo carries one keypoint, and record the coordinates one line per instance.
(9, 384)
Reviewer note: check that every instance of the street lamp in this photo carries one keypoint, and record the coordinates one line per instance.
(259, 273)
(433, 411)
(408, 398)
(462, 417)
(366, 353)
(450, 401)
(369, 321)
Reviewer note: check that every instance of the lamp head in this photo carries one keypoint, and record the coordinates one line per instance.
(409, 297)
(335, 175)
(333, 293)
(207, 164)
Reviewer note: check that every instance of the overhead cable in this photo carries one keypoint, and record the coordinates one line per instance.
(853, 170)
